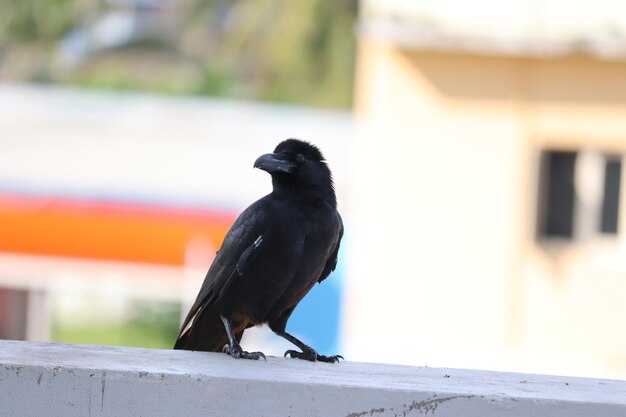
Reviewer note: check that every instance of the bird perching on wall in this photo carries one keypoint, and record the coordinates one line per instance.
(273, 254)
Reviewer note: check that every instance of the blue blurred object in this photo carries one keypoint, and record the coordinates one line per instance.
(316, 319)
(128, 22)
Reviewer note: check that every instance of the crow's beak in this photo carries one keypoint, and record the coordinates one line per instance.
(270, 163)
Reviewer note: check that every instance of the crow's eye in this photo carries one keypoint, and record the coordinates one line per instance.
(300, 158)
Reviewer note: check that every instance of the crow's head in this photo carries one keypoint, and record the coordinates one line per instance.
(299, 167)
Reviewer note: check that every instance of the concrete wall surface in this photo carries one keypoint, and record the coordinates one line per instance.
(46, 379)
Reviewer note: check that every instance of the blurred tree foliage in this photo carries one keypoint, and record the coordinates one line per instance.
(148, 324)
(36, 20)
(279, 50)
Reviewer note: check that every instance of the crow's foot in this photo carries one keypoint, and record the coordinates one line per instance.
(236, 352)
(313, 356)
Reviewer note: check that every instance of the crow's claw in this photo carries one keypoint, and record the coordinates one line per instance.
(330, 359)
(254, 355)
(236, 352)
(313, 356)
(309, 355)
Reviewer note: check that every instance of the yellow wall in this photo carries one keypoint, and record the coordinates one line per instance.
(446, 168)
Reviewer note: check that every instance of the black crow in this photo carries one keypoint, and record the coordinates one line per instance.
(273, 254)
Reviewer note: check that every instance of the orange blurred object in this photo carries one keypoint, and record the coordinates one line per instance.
(106, 230)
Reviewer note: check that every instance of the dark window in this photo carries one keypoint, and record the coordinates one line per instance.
(557, 194)
(610, 199)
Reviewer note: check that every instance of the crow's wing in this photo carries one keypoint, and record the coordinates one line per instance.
(237, 254)
(331, 262)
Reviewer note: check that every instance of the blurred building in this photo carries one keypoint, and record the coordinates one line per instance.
(488, 229)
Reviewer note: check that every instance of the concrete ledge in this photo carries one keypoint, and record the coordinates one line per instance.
(46, 379)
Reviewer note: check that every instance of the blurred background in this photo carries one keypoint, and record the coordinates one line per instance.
(476, 148)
